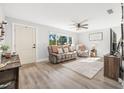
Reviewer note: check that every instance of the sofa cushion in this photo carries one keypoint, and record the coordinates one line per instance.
(74, 55)
(60, 50)
(66, 55)
(54, 49)
(66, 50)
(71, 48)
(60, 56)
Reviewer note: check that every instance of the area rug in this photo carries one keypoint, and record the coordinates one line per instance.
(90, 59)
(87, 69)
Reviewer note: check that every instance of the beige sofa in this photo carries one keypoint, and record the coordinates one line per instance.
(63, 53)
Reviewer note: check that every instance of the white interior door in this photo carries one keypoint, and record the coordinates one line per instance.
(25, 43)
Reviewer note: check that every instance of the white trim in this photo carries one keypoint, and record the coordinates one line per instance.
(13, 37)
(43, 60)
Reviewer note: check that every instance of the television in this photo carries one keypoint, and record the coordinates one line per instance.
(113, 42)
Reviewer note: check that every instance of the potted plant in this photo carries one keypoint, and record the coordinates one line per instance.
(5, 49)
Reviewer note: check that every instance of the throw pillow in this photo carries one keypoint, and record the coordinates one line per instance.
(60, 50)
(54, 49)
(82, 48)
(65, 50)
(65, 46)
(71, 48)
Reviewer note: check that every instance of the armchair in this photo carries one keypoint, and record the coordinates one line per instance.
(82, 51)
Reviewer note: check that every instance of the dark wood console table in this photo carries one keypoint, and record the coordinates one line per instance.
(112, 66)
(9, 74)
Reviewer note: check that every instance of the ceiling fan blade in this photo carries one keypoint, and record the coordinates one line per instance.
(84, 25)
(84, 21)
(74, 21)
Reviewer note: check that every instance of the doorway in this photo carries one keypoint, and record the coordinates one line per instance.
(25, 43)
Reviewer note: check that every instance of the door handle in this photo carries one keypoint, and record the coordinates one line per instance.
(34, 46)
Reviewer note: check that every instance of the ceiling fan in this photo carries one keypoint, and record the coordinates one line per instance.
(79, 25)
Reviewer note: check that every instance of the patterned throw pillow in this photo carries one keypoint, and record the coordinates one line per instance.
(60, 51)
(54, 49)
(65, 46)
(66, 50)
(71, 49)
(82, 48)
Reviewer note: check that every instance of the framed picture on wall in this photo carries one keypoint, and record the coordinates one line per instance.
(97, 36)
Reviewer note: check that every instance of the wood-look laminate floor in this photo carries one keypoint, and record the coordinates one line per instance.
(45, 75)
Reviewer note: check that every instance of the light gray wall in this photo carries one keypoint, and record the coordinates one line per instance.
(103, 46)
(41, 35)
(1, 13)
(2, 17)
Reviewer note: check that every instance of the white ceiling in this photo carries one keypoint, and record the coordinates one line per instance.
(61, 15)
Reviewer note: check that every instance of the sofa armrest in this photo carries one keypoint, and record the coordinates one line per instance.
(54, 54)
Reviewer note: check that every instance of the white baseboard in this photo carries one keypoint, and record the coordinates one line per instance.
(43, 60)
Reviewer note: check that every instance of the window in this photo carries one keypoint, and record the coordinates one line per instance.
(70, 40)
(55, 39)
(52, 39)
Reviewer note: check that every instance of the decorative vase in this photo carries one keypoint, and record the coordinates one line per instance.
(3, 53)
(8, 55)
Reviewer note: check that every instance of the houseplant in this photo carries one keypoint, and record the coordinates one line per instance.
(5, 52)
(4, 48)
